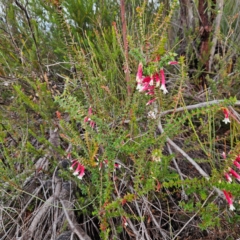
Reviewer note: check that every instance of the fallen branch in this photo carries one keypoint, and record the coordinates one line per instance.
(72, 222)
(199, 105)
(197, 167)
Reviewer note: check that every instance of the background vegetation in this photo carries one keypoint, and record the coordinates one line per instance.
(69, 97)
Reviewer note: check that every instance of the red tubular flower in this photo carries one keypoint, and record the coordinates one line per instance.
(163, 83)
(92, 124)
(157, 78)
(88, 119)
(226, 119)
(82, 172)
(124, 221)
(74, 163)
(229, 199)
(89, 111)
(234, 174)
(228, 178)
(146, 79)
(237, 158)
(150, 90)
(117, 165)
(172, 62)
(79, 170)
(139, 73)
(237, 164)
(144, 85)
(151, 101)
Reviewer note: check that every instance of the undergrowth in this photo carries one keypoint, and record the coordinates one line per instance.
(142, 157)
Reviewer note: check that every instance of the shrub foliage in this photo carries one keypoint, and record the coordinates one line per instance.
(119, 120)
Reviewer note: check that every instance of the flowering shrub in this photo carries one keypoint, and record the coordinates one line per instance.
(228, 194)
(155, 76)
(143, 176)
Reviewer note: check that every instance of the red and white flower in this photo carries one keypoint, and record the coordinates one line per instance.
(237, 164)
(79, 169)
(88, 119)
(139, 73)
(124, 221)
(163, 81)
(226, 119)
(157, 79)
(117, 165)
(228, 178)
(234, 174)
(229, 199)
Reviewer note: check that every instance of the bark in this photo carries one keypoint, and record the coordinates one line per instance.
(204, 30)
(187, 19)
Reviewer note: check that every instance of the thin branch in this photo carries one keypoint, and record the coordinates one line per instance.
(184, 195)
(197, 167)
(73, 224)
(199, 105)
(190, 107)
(193, 216)
(142, 224)
(45, 207)
(57, 63)
(164, 235)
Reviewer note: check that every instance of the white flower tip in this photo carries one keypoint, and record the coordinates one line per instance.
(165, 91)
(138, 79)
(139, 88)
(70, 168)
(75, 173)
(231, 207)
(226, 120)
